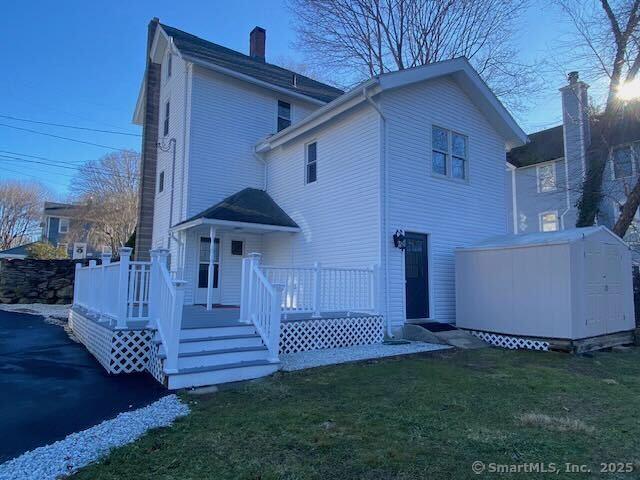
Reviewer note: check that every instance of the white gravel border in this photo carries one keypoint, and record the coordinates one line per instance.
(318, 358)
(82, 448)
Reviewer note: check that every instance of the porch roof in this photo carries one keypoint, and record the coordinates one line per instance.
(247, 208)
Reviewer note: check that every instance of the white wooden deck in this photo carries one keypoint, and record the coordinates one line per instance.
(197, 316)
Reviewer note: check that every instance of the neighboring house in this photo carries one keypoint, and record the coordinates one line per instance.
(545, 176)
(355, 200)
(20, 252)
(63, 226)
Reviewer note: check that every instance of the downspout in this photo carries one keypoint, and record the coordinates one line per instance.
(173, 183)
(179, 262)
(184, 139)
(384, 209)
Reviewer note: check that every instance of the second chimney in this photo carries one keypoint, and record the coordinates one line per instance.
(257, 40)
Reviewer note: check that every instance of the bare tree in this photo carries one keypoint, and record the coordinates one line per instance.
(21, 206)
(108, 190)
(607, 45)
(361, 38)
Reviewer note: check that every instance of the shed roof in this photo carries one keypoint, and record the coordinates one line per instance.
(20, 250)
(541, 238)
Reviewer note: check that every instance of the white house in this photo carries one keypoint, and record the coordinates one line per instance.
(334, 215)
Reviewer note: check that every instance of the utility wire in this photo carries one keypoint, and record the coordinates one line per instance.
(71, 126)
(109, 147)
(76, 168)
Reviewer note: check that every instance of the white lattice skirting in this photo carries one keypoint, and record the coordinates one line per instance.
(510, 341)
(331, 333)
(155, 364)
(118, 351)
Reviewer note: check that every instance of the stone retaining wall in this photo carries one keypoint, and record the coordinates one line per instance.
(36, 281)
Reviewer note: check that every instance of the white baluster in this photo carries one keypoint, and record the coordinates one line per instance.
(123, 287)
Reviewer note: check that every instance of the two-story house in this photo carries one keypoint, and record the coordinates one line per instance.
(545, 176)
(294, 211)
(63, 225)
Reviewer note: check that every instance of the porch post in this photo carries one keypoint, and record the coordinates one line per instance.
(158, 257)
(212, 247)
(106, 260)
(254, 262)
(76, 283)
(317, 285)
(123, 288)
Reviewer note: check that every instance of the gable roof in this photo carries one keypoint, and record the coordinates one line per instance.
(251, 206)
(459, 69)
(199, 49)
(548, 144)
(20, 251)
(61, 209)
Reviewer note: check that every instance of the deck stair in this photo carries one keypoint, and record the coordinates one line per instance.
(210, 355)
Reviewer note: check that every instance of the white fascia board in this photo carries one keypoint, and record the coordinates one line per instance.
(250, 79)
(470, 82)
(320, 116)
(160, 42)
(138, 113)
(231, 224)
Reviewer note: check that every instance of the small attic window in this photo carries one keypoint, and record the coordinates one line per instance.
(169, 64)
(284, 115)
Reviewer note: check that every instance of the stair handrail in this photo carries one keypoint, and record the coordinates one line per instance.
(261, 304)
(166, 302)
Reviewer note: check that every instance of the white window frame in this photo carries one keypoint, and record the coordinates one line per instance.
(540, 221)
(306, 162)
(634, 168)
(161, 180)
(449, 155)
(60, 222)
(165, 122)
(555, 177)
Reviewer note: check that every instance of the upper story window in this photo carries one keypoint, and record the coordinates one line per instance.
(161, 182)
(169, 64)
(63, 226)
(549, 221)
(311, 163)
(284, 115)
(449, 155)
(546, 177)
(622, 159)
(166, 119)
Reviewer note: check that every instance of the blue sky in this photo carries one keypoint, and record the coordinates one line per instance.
(81, 62)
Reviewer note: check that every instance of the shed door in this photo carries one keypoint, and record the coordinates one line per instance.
(416, 271)
(604, 288)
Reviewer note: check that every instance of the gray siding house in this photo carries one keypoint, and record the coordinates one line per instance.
(63, 226)
(544, 177)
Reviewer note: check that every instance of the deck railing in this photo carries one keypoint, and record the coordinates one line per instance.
(320, 289)
(117, 291)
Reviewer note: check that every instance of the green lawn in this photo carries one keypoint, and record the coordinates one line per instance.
(428, 416)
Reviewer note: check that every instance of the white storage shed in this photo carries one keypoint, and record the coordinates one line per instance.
(572, 284)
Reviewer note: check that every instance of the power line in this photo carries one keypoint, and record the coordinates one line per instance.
(71, 126)
(76, 168)
(109, 147)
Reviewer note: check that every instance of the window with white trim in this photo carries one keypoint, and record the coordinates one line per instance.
(311, 162)
(63, 226)
(166, 118)
(546, 177)
(449, 153)
(549, 221)
(284, 115)
(622, 160)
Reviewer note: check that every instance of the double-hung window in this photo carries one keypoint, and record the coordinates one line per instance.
(622, 158)
(284, 115)
(63, 226)
(166, 119)
(449, 153)
(549, 221)
(311, 163)
(161, 182)
(546, 177)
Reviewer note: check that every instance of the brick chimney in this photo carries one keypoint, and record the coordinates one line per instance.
(575, 122)
(257, 40)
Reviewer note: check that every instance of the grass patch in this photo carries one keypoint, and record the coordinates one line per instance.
(423, 416)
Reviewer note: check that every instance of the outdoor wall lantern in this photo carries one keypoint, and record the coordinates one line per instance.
(399, 240)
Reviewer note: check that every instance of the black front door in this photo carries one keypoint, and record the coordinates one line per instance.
(416, 271)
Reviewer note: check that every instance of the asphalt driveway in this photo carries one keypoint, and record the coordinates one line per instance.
(51, 386)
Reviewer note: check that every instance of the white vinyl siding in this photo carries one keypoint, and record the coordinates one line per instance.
(452, 213)
(340, 215)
